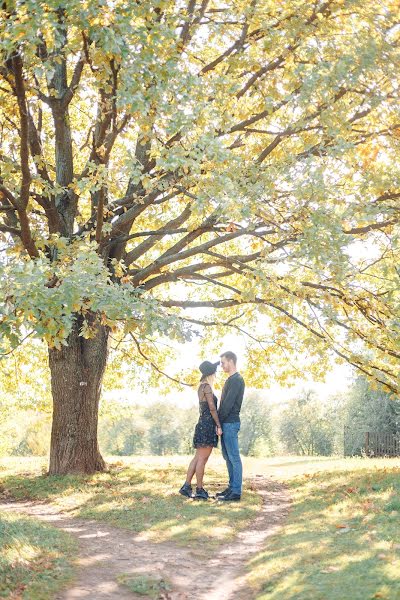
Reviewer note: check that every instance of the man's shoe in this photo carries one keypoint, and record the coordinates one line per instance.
(224, 493)
(186, 490)
(201, 494)
(231, 497)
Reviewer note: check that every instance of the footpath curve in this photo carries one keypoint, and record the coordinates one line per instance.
(105, 552)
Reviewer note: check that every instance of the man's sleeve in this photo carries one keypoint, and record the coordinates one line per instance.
(233, 392)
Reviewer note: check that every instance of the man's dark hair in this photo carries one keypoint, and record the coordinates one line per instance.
(230, 356)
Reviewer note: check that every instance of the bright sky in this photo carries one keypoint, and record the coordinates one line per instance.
(337, 380)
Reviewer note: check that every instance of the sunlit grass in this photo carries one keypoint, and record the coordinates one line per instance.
(340, 542)
(342, 538)
(139, 494)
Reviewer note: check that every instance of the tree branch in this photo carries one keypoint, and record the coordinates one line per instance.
(154, 366)
(371, 227)
(146, 245)
(167, 259)
(237, 45)
(12, 230)
(75, 79)
(9, 195)
(279, 60)
(195, 268)
(22, 202)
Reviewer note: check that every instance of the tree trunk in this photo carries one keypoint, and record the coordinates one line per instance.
(76, 378)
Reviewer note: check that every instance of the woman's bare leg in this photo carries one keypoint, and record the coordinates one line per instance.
(202, 458)
(191, 469)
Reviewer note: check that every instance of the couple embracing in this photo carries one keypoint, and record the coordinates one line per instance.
(214, 422)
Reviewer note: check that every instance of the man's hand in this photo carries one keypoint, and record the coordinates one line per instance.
(219, 430)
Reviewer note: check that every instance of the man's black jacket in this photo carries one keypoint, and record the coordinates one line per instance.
(231, 399)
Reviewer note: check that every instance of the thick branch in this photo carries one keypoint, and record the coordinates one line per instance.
(24, 130)
(146, 245)
(372, 226)
(12, 230)
(197, 267)
(75, 79)
(22, 202)
(155, 267)
(9, 195)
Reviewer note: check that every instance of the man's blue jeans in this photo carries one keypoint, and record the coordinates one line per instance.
(231, 454)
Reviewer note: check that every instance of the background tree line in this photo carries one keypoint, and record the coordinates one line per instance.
(304, 425)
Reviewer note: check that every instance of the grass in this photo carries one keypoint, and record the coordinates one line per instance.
(139, 494)
(35, 558)
(144, 585)
(342, 538)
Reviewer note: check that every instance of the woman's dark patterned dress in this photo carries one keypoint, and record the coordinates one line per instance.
(205, 434)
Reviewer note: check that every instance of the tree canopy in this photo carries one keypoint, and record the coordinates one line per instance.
(240, 157)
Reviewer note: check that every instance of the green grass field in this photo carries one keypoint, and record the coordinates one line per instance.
(341, 540)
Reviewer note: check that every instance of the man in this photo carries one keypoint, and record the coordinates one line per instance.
(229, 411)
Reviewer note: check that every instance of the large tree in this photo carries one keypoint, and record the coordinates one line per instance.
(158, 156)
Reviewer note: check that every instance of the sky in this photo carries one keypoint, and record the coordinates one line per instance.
(188, 354)
(337, 381)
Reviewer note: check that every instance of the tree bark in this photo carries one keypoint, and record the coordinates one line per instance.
(76, 379)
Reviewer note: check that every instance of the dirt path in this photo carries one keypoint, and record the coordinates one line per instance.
(106, 552)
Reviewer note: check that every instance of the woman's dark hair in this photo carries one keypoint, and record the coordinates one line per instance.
(230, 356)
(204, 377)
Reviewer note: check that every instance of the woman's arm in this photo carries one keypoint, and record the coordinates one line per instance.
(210, 401)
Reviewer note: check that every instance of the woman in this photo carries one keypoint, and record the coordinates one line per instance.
(206, 432)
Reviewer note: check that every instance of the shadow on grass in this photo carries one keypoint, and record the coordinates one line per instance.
(340, 542)
(35, 558)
